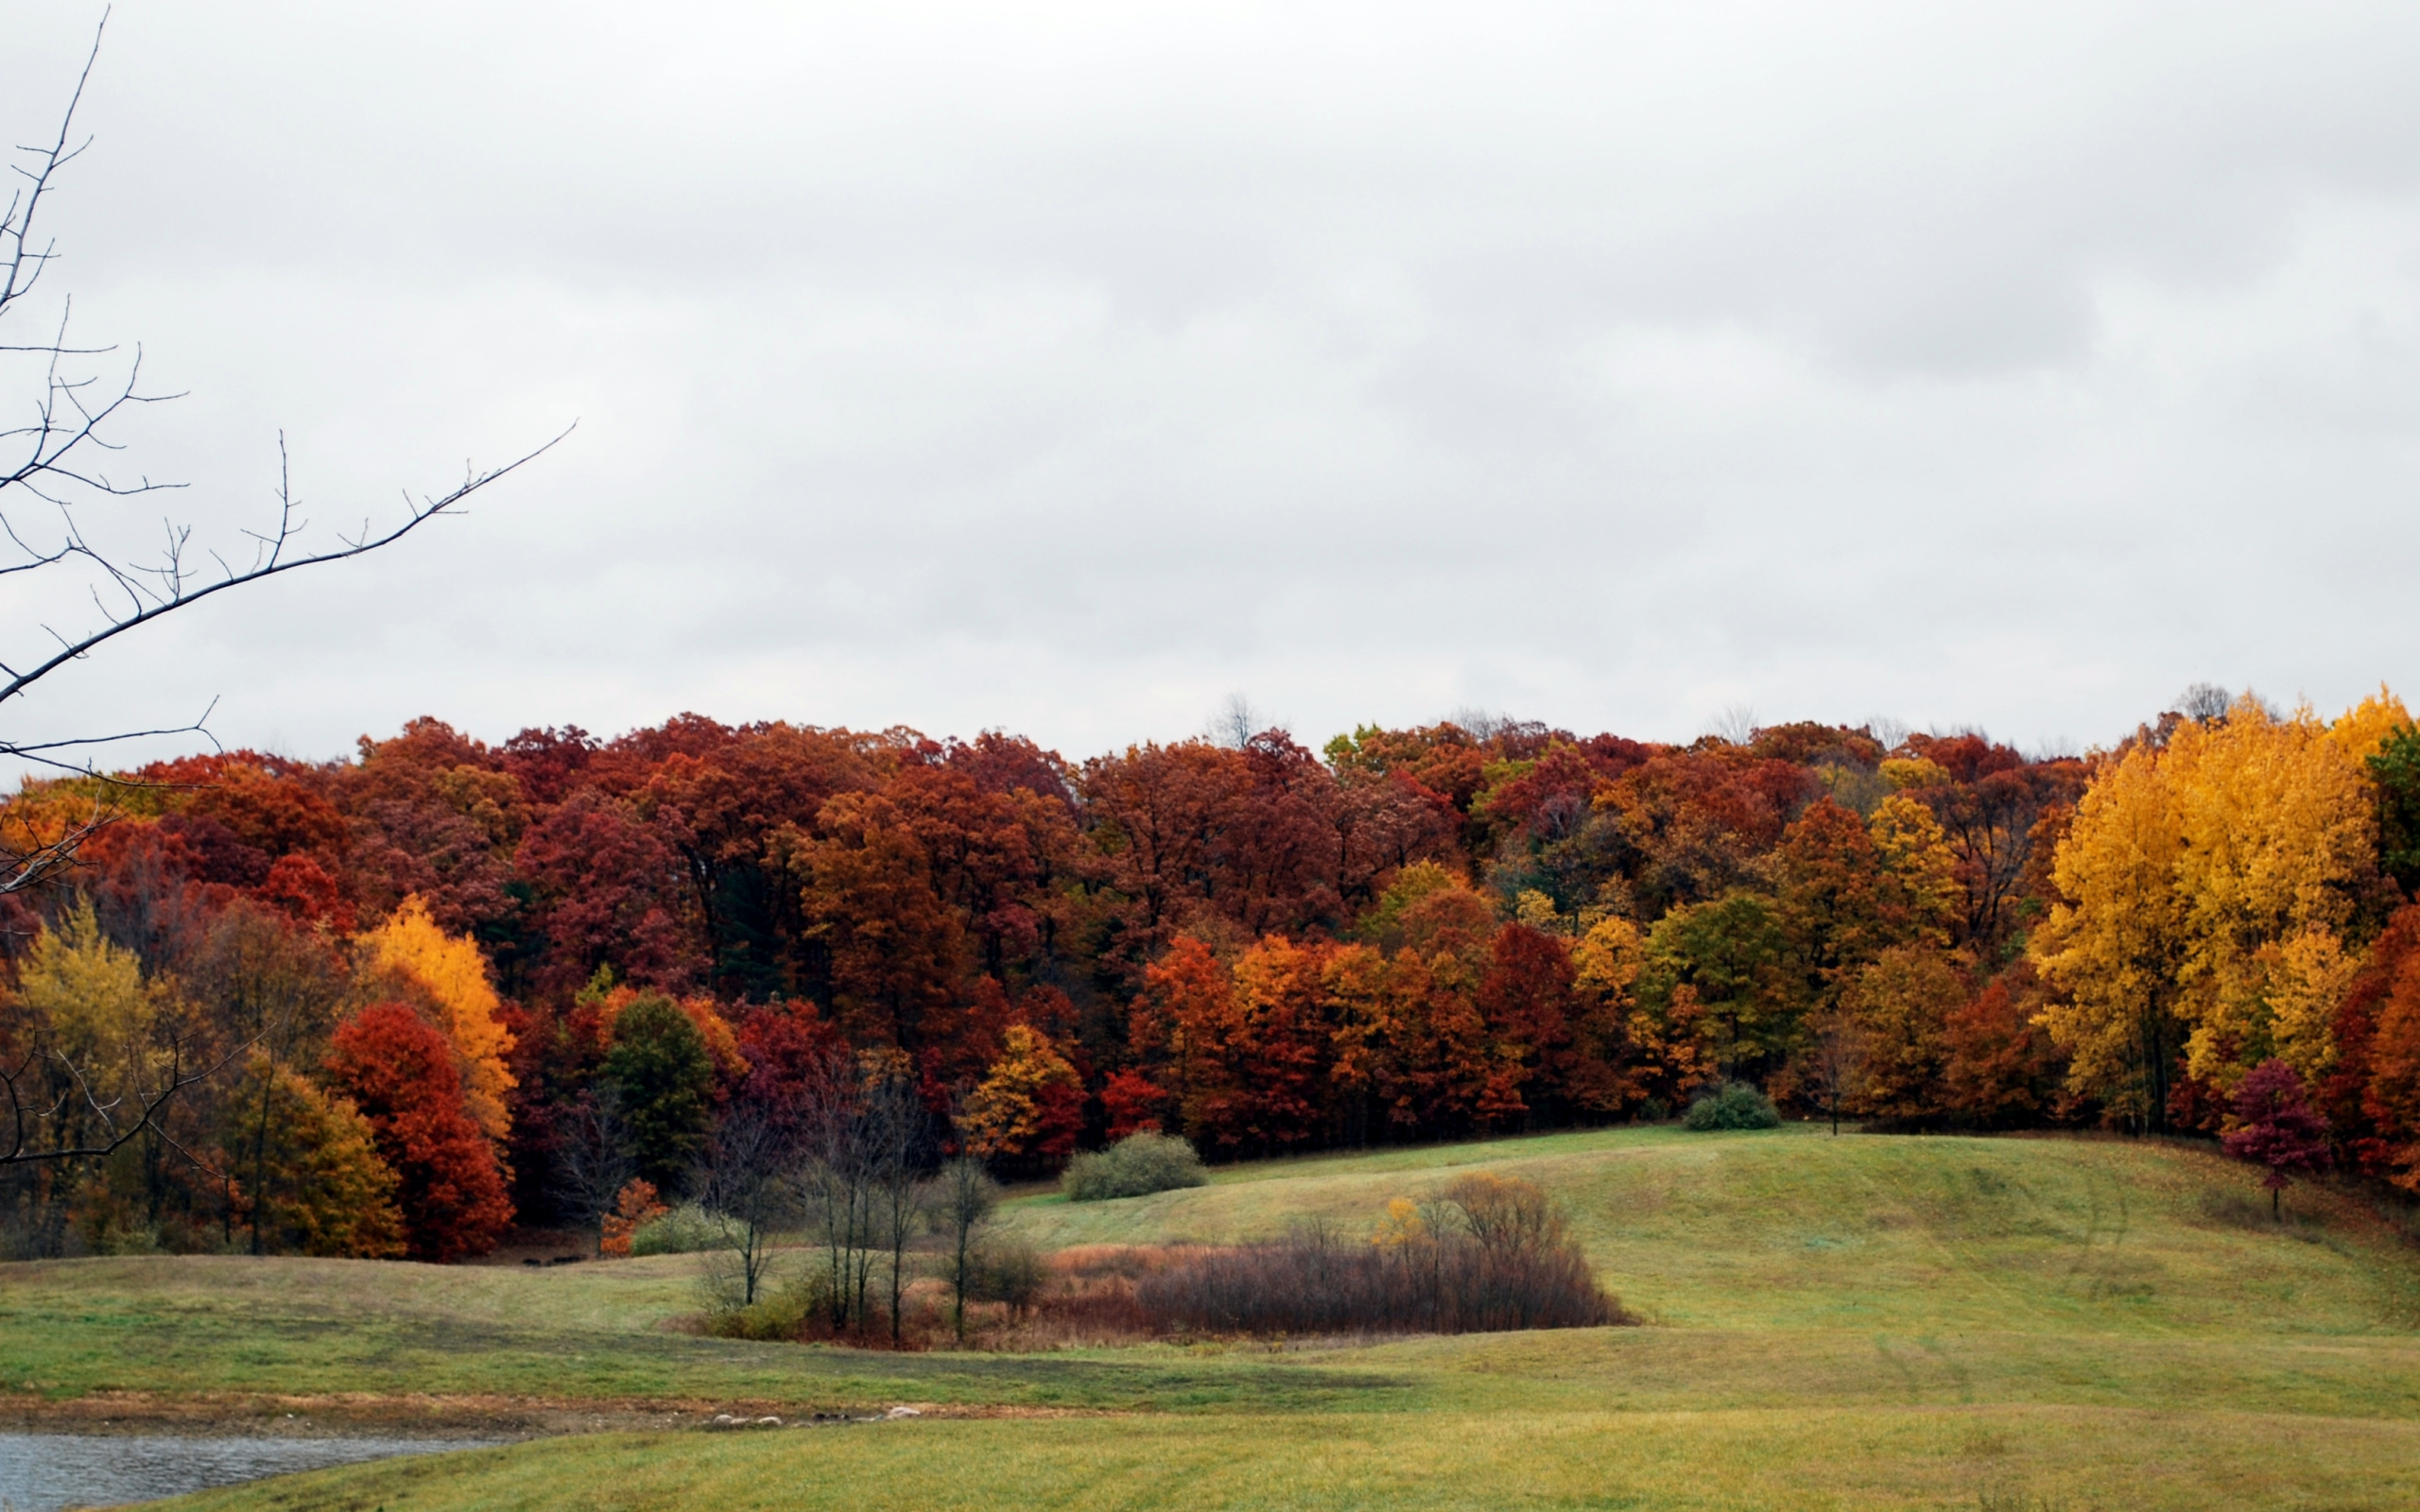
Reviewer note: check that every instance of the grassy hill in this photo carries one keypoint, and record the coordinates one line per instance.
(1860, 1322)
(1793, 1228)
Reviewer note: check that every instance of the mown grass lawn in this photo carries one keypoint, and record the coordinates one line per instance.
(1813, 1457)
(1833, 1323)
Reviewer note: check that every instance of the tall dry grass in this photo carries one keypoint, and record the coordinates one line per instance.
(1483, 1255)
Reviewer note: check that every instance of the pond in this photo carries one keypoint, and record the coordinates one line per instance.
(44, 1472)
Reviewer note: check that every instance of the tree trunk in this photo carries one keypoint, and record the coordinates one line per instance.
(957, 1286)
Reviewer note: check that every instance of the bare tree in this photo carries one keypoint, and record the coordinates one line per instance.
(894, 1131)
(963, 1198)
(55, 473)
(1736, 724)
(1834, 1063)
(859, 1164)
(2204, 702)
(833, 1183)
(1237, 722)
(747, 1195)
(593, 1161)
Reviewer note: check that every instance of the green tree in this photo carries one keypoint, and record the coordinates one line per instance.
(1901, 1006)
(1731, 958)
(2394, 767)
(661, 1074)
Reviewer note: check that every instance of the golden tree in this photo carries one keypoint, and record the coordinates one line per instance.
(2278, 831)
(452, 974)
(2206, 890)
(319, 1187)
(2112, 947)
(1019, 1107)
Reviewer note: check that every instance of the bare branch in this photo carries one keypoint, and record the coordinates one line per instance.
(25, 1123)
(56, 453)
(175, 594)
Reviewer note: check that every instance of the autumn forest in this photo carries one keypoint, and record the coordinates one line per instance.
(420, 978)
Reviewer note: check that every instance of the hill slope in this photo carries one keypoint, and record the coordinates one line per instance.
(1836, 1323)
(1793, 1228)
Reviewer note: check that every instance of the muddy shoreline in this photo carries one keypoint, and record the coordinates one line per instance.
(468, 1418)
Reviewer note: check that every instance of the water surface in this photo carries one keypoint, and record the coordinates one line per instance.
(44, 1472)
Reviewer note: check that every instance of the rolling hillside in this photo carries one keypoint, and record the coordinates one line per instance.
(1832, 1323)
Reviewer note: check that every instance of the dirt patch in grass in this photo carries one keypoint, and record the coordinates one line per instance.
(361, 1414)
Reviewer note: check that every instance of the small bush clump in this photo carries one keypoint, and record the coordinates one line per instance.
(1135, 1166)
(684, 1231)
(1737, 1106)
(778, 1316)
(1005, 1269)
(1486, 1255)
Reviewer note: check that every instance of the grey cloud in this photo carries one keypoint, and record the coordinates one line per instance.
(1066, 370)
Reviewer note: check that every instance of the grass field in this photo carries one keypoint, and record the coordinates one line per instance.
(1861, 1322)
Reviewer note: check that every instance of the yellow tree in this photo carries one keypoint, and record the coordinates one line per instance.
(1029, 1104)
(115, 1046)
(2277, 829)
(2208, 888)
(2303, 980)
(319, 1187)
(103, 1050)
(1354, 985)
(89, 996)
(2360, 730)
(2113, 946)
(1664, 1048)
(452, 976)
(1916, 858)
(1607, 959)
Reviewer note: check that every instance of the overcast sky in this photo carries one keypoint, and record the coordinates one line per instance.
(1067, 369)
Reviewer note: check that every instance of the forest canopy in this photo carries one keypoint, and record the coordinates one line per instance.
(435, 976)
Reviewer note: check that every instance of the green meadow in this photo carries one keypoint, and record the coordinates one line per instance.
(1828, 1323)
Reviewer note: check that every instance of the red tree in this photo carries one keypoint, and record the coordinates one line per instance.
(2001, 1067)
(1133, 1101)
(399, 1071)
(1527, 1001)
(2391, 1100)
(2278, 1128)
(607, 892)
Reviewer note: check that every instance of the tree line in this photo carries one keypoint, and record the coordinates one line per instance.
(396, 1003)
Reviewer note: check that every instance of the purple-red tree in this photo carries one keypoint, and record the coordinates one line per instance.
(2278, 1128)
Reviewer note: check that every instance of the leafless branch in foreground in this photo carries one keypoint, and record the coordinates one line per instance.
(56, 474)
(55, 471)
(116, 1120)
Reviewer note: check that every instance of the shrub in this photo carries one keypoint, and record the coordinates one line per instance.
(683, 1230)
(779, 1315)
(1134, 1166)
(1312, 1284)
(1737, 1106)
(1487, 1255)
(1005, 1269)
